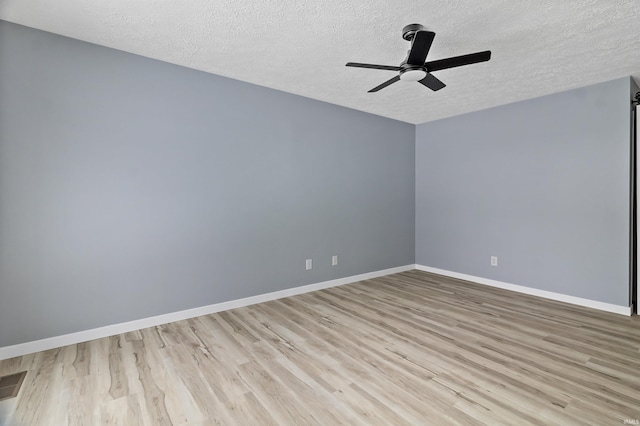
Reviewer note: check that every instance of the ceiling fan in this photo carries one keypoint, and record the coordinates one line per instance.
(414, 67)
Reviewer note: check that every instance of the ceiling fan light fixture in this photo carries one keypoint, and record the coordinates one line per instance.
(414, 68)
(415, 74)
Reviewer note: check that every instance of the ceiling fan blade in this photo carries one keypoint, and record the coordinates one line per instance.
(420, 46)
(385, 84)
(373, 66)
(432, 82)
(458, 61)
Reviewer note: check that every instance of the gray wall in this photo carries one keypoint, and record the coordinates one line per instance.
(131, 188)
(542, 184)
(633, 290)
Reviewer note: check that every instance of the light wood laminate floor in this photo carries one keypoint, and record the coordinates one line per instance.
(410, 348)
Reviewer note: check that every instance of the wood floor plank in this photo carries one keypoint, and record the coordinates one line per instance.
(409, 348)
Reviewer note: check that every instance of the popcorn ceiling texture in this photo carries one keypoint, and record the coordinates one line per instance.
(539, 47)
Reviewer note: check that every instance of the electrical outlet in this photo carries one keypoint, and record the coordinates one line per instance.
(334, 260)
(494, 260)
(309, 264)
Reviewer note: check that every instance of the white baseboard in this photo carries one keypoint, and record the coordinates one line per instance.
(622, 310)
(111, 330)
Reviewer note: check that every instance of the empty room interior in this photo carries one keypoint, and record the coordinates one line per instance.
(318, 213)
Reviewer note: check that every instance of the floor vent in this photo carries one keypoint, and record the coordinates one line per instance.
(10, 385)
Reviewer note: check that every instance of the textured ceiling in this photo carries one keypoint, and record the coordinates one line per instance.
(301, 47)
